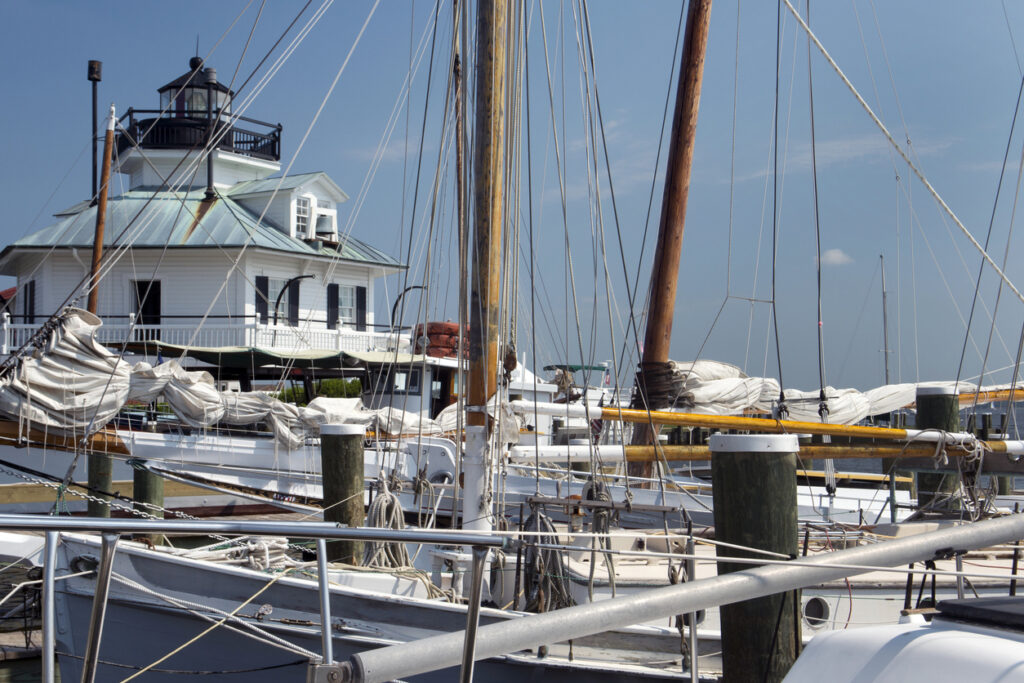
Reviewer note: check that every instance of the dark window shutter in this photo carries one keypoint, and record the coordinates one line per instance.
(332, 307)
(361, 309)
(293, 303)
(29, 302)
(262, 292)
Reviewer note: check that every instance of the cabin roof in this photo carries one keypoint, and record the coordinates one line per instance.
(152, 218)
(287, 184)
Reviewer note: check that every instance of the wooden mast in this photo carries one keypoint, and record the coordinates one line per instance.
(488, 172)
(460, 28)
(99, 466)
(101, 213)
(665, 270)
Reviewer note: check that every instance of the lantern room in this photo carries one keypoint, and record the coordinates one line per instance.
(195, 122)
(186, 96)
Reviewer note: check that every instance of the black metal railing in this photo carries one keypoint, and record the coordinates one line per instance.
(149, 130)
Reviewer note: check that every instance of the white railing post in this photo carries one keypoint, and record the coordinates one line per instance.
(5, 347)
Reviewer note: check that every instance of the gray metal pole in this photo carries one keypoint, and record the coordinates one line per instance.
(49, 606)
(440, 652)
(691, 573)
(99, 607)
(960, 576)
(473, 614)
(325, 601)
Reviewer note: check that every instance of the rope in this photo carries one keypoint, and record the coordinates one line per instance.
(545, 581)
(596, 490)
(196, 609)
(229, 616)
(386, 512)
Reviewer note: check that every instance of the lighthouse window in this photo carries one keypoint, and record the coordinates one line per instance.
(301, 216)
(280, 310)
(347, 303)
(196, 101)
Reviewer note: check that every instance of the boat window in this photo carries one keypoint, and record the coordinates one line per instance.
(396, 382)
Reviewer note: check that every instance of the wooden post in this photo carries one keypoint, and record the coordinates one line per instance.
(937, 408)
(100, 467)
(754, 483)
(665, 270)
(341, 465)
(1004, 483)
(149, 488)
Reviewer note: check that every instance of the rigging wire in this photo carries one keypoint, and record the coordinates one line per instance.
(823, 410)
(781, 412)
(999, 291)
(917, 172)
(988, 235)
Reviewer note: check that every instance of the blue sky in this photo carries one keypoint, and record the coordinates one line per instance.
(944, 74)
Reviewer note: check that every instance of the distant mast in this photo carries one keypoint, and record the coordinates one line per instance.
(665, 270)
(885, 322)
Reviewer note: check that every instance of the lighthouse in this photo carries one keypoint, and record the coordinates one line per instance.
(193, 139)
(210, 247)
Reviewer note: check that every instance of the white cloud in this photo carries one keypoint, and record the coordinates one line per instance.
(835, 257)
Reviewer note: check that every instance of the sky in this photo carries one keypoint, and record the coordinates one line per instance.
(942, 75)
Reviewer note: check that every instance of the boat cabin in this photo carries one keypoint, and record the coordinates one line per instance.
(426, 385)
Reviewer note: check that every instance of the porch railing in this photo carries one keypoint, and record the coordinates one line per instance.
(271, 337)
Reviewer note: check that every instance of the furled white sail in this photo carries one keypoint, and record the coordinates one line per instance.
(715, 388)
(76, 386)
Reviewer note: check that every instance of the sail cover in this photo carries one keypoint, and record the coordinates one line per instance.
(75, 386)
(716, 388)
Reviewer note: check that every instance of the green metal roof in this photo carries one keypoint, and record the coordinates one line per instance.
(283, 185)
(151, 218)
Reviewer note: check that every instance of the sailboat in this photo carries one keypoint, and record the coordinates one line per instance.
(478, 485)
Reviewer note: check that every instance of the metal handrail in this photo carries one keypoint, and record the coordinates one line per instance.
(112, 528)
(325, 530)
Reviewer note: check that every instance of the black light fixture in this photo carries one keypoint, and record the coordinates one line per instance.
(284, 288)
(95, 75)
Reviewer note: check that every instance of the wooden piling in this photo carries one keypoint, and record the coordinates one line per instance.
(341, 465)
(937, 408)
(754, 483)
(148, 494)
